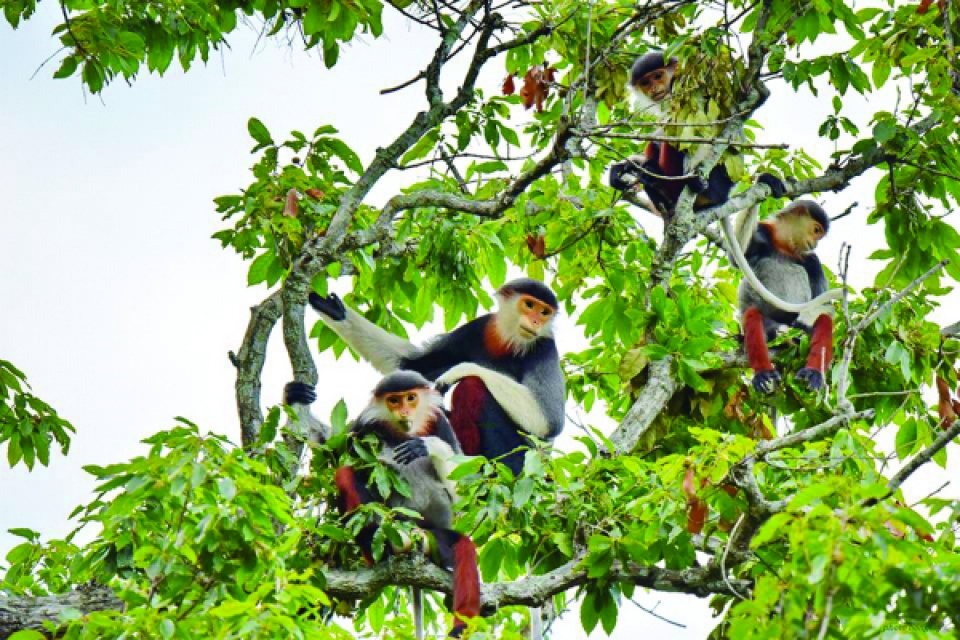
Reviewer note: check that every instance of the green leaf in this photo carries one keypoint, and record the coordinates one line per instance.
(259, 132)
(227, 488)
(906, 438)
(338, 417)
(884, 131)
(260, 268)
(27, 634)
(67, 68)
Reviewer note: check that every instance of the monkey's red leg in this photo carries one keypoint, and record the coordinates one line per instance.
(765, 377)
(821, 344)
(466, 406)
(671, 160)
(466, 583)
(821, 352)
(651, 151)
(351, 493)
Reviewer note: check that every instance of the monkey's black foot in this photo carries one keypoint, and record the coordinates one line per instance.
(457, 632)
(803, 326)
(697, 184)
(623, 176)
(812, 377)
(442, 388)
(331, 306)
(777, 187)
(410, 450)
(766, 381)
(299, 393)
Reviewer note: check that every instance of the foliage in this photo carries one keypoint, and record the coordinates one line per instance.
(28, 425)
(804, 536)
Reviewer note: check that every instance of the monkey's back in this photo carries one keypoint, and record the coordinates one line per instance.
(428, 493)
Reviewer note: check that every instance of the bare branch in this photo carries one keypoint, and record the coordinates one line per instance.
(249, 362)
(652, 399)
(922, 458)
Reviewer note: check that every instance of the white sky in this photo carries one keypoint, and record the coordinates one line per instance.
(120, 308)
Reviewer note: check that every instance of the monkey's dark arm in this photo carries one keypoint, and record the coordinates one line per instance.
(446, 351)
(440, 448)
(818, 279)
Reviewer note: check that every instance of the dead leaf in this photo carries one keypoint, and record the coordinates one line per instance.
(290, 208)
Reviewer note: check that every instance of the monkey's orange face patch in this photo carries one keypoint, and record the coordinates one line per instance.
(534, 315)
(656, 84)
(402, 404)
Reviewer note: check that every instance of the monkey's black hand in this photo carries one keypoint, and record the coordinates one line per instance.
(442, 388)
(410, 450)
(803, 326)
(331, 306)
(299, 393)
(777, 188)
(811, 377)
(766, 381)
(623, 176)
(697, 184)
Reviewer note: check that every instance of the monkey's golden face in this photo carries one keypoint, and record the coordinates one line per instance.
(656, 84)
(800, 232)
(533, 316)
(402, 405)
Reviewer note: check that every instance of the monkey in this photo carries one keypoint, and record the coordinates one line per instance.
(407, 417)
(661, 169)
(506, 363)
(781, 263)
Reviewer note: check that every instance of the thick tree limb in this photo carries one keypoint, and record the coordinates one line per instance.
(21, 613)
(249, 362)
(652, 399)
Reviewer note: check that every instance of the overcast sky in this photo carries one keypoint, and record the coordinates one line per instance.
(120, 308)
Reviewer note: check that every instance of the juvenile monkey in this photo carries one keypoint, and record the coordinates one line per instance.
(418, 444)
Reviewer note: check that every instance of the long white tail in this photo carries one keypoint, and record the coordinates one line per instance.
(416, 595)
(807, 310)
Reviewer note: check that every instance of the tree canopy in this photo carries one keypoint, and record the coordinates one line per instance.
(783, 509)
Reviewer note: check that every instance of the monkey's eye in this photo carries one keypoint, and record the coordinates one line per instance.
(546, 312)
(817, 228)
(528, 304)
(393, 400)
(411, 397)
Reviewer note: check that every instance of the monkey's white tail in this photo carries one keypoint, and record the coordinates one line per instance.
(808, 311)
(416, 595)
(536, 623)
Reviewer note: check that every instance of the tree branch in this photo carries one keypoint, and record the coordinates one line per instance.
(22, 613)
(249, 362)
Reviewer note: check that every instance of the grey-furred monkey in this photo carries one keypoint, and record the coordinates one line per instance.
(419, 445)
(506, 363)
(784, 284)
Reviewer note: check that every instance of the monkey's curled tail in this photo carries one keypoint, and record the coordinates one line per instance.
(807, 311)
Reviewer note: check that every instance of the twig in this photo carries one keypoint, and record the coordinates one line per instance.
(680, 140)
(845, 213)
(918, 461)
